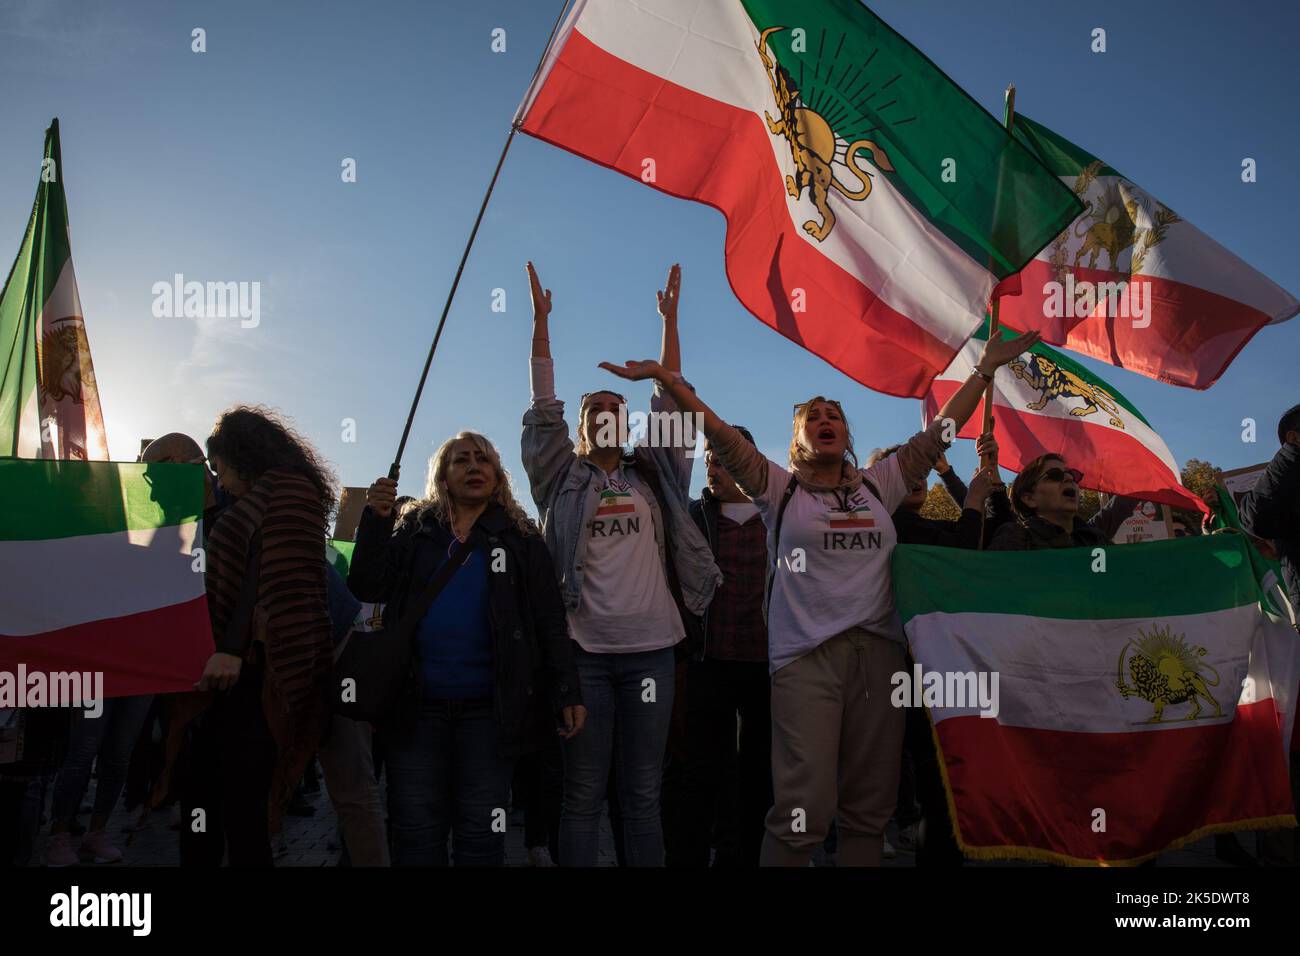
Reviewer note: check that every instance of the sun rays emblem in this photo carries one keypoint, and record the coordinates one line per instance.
(809, 110)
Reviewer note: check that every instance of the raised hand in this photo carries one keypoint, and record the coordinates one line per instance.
(637, 371)
(541, 297)
(986, 446)
(672, 292)
(998, 352)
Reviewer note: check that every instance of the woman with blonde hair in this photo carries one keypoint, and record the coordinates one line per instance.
(492, 675)
(832, 642)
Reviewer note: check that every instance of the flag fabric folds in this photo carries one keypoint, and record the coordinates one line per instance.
(102, 573)
(1132, 283)
(49, 403)
(1140, 703)
(871, 204)
(1046, 402)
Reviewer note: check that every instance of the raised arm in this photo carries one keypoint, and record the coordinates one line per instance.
(997, 353)
(670, 352)
(671, 456)
(741, 459)
(918, 456)
(546, 447)
(541, 315)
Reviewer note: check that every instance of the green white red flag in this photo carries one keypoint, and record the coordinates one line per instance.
(1135, 709)
(49, 404)
(1132, 283)
(1044, 402)
(101, 574)
(871, 204)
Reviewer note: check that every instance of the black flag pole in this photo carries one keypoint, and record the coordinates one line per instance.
(396, 467)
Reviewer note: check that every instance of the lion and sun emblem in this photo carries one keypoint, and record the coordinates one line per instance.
(807, 112)
(1166, 671)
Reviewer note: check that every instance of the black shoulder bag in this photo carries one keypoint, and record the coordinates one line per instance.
(372, 667)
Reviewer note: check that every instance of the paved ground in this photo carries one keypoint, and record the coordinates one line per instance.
(313, 841)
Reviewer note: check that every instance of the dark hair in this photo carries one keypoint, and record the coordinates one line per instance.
(253, 440)
(1289, 422)
(1026, 480)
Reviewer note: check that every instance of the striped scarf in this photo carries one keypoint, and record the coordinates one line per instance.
(291, 614)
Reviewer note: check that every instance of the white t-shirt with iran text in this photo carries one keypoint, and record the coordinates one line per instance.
(832, 562)
(626, 605)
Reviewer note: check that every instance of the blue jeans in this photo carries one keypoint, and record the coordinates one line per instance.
(446, 777)
(630, 730)
(110, 736)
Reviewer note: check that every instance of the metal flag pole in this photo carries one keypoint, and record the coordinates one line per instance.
(395, 468)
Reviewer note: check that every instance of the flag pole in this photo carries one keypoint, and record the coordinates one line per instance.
(1008, 119)
(396, 466)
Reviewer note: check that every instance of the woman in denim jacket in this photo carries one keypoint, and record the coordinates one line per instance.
(635, 573)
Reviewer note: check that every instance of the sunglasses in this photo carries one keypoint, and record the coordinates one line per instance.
(829, 401)
(1058, 474)
(601, 391)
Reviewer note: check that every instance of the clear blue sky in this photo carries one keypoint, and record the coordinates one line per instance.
(225, 166)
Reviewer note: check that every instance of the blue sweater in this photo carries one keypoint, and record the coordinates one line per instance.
(454, 639)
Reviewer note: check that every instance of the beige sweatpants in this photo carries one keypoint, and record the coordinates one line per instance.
(836, 750)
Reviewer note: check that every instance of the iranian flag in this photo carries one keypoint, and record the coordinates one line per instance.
(99, 574)
(871, 204)
(1046, 402)
(1132, 283)
(1130, 710)
(49, 404)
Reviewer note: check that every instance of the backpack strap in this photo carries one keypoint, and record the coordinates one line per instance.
(776, 543)
(776, 535)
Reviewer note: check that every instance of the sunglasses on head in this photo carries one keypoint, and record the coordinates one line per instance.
(1058, 474)
(827, 401)
(602, 391)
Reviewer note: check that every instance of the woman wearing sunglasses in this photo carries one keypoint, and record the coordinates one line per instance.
(634, 571)
(1046, 497)
(832, 641)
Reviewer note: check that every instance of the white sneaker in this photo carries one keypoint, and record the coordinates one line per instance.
(888, 851)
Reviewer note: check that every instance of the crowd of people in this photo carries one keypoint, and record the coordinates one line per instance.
(716, 672)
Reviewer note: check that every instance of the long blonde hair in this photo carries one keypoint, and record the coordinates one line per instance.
(799, 455)
(437, 502)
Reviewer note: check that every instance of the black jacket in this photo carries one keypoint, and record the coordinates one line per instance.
(532, 656)
(962, 533)
(1271, 510)
(1036, 532)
